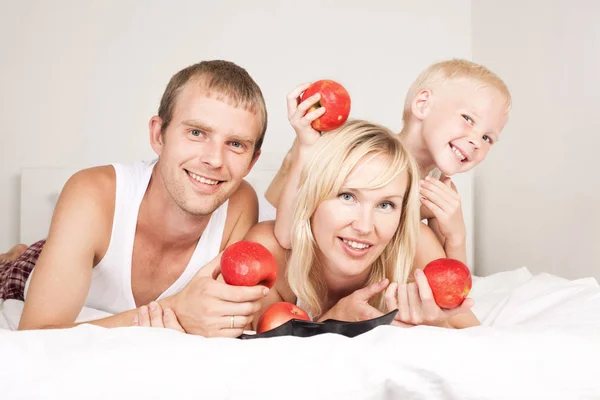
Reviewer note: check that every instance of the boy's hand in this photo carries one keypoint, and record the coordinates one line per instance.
(416, 305)
(299, 119)
(442, 201)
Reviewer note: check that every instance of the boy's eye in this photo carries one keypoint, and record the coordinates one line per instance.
(487, 139)
(467, 118)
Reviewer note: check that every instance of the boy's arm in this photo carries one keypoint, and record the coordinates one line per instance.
(442, 206)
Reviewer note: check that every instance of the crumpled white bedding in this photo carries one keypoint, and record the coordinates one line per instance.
(540, 338)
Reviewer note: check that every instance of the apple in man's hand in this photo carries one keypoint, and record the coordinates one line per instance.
(248, 263)
(278, 314)
(450, 281)
(336, 100)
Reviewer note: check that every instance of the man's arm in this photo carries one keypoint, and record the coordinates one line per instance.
(206, 304)
(81, 225)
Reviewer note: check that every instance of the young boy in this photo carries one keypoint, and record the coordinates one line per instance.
(453, 114)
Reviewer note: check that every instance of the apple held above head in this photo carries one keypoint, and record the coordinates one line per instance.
(336, 100)
(278, 314)
(248, 263)
(450, 281)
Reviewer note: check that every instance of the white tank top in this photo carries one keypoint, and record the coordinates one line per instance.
(110, 288)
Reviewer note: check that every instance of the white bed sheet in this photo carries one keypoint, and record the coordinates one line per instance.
(540, 339)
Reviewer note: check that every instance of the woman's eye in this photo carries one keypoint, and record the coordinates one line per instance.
(346, 196)
(388, 205)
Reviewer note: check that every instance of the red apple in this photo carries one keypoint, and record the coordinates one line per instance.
(450, 281)
(336, 100)
(248, 263)
(278, 314)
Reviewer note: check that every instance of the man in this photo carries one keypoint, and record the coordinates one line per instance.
(123, 236)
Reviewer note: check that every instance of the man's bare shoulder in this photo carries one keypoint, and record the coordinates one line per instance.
(244, 196)
(96, 180)
(90, 190)
(242, 214)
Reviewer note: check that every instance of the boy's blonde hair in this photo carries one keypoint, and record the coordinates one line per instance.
(440, 73)
(334, 156)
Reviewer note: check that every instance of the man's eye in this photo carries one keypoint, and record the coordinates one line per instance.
(237, 145)
(196, 132)
(468, 119)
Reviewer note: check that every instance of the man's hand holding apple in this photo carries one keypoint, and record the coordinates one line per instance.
(209, 307)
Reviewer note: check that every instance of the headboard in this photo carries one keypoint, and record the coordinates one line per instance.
(40, 188)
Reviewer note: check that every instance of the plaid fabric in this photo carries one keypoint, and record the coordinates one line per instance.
(14, 274)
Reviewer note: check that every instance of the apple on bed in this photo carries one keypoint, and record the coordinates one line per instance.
(278, 314)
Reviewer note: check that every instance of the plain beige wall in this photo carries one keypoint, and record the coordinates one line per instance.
(80, 79)
(537, 196)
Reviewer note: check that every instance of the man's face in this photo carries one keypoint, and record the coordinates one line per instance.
(464, 121)
(206, 151)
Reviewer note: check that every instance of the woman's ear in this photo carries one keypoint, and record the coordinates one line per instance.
(156, 134)
(421, 104)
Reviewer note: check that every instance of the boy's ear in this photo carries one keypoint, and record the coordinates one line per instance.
(421, 104)
(156, 136)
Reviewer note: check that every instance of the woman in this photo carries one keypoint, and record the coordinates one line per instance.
(355, 231)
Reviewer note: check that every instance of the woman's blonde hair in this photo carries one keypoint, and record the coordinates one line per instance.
(333, 157)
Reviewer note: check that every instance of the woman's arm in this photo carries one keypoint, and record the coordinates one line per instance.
(403, 296)
(264, 234)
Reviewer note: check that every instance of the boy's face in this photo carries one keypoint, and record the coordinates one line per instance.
(461, 123)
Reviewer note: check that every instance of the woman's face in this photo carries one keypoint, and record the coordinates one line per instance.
(353, 227)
